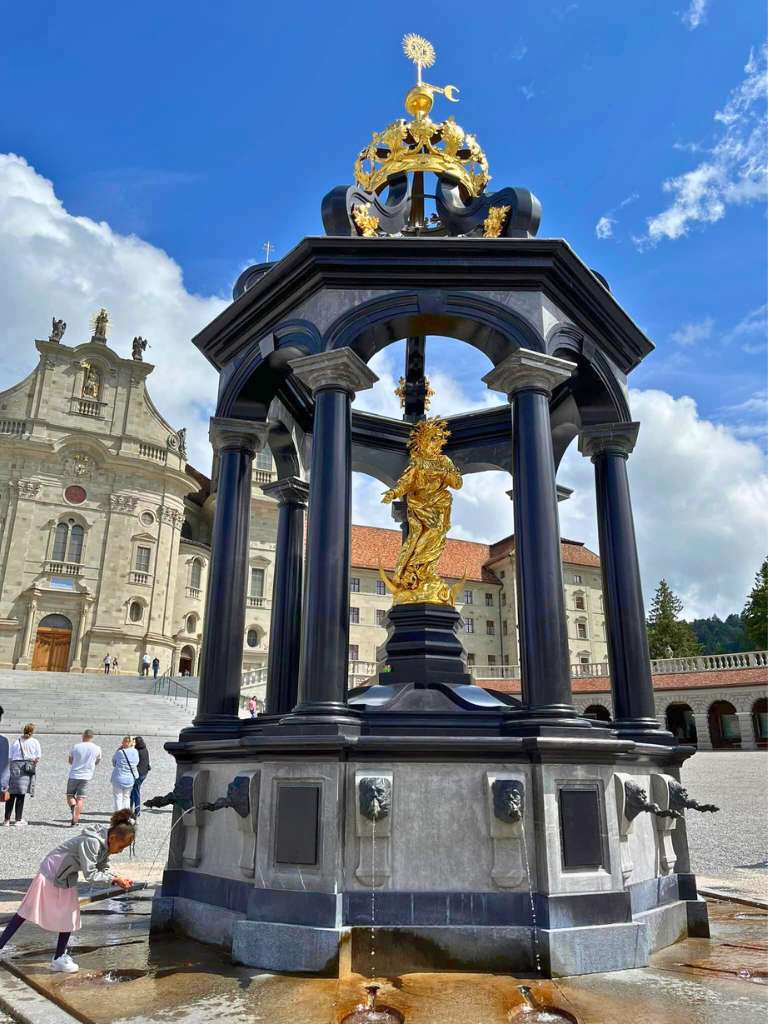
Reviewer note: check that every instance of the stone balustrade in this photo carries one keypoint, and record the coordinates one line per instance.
(62, 568)
(13, 427)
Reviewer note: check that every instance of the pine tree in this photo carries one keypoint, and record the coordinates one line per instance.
(666, 633)
(755, 614)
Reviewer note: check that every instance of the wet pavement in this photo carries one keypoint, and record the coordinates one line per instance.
(126, 976)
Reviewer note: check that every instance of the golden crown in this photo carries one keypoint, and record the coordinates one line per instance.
(442, 147)
(426, 432)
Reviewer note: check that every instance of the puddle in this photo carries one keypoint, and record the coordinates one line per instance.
(534, 1012)
(751, 917)
(111, 977)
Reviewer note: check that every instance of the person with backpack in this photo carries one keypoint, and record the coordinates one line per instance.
(125, 762)
(25, 754)
(52, 902)
(143, 769)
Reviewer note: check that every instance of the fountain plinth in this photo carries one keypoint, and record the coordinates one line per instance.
(443, 825)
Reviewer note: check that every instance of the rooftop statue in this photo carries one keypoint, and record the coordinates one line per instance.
(425, 486)
(57, 330)
(101, 324)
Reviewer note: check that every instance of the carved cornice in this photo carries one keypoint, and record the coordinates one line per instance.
(340, 369)
(123, 503)
(171, 516)
(245, 435)
(526, 370)
(28, 489)
(288, 491)
(608, 439)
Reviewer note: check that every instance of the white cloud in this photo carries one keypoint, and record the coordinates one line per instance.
(527, 91)
(751, 331)
(55, 263)
(693, 332)
(735, 170)
(695, 14)
(604, 227)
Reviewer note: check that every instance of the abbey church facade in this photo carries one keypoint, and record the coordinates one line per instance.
(105, 536)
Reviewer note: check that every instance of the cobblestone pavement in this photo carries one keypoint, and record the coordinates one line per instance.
(47, 815)
(730, 848)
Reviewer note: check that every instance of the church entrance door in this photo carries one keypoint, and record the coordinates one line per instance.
(52, 642)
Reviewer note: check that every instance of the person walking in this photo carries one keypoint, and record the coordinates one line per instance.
(5, 766)
(114, 665)
(253, 707)
(142, 770)
(107, 663)
(146, 661)
(155, 667)
(52, 903)
(83, 758)
(25, 753)
(125, 761)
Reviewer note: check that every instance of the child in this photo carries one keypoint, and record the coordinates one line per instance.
(52, 899)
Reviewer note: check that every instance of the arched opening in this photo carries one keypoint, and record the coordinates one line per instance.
(253, 637)
(724, 726)
(760, 721)
(186, 530)
(681, 723)
(195, 573)
(135, 611)
(68, 538)
(187, 661)
(598, 713)
(52, 643)
(191, 623)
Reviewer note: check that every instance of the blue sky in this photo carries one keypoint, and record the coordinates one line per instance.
(200, 130)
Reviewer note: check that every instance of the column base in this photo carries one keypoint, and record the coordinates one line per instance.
(644, 730)
(323, 717)
(211, 727)
(551, 720)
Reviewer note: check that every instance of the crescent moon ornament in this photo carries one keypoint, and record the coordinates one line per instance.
(448, 92)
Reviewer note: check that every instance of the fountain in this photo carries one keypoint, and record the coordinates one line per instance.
(370, 1013)
(421, 822)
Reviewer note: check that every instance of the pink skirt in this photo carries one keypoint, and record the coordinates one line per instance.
(50, 907)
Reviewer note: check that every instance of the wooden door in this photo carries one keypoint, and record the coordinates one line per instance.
(51, 650)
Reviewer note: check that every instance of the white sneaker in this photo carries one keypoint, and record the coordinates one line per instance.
(64, 964)
(17, 823)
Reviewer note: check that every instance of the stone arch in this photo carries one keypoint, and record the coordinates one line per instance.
(187, 660)
(53, 640)
(680, 721)
(760, 721)
(253, 631)
(724, 727)
(67, 537)
(598, 712)
(135, 609)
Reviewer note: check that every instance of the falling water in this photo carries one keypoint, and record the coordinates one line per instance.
(164, 845)
(536, 951)
(373, 898)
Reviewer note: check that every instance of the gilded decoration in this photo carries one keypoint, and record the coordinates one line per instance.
(400, 392)
(91, 381)
(421, 144)
(494, 223)
(425, 486)
(367, 223)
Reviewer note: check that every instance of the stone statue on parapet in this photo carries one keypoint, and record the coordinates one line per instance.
(57, 330)
(139, 347)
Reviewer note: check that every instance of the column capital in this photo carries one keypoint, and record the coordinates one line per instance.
(225, 432)
(608, 438)
(290, 490)
(340, 369)
(526, 370)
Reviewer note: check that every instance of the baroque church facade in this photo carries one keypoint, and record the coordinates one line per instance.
(105, 537)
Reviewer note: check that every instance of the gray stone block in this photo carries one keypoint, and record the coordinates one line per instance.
(594, 950)
(664, 925)
(204, 921)
(162, 914)
(443, 948)
(698, 919)
(292, 948)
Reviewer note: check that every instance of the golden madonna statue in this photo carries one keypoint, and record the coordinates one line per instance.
(424, 485)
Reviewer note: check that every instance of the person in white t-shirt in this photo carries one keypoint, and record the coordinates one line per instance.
(83, 758)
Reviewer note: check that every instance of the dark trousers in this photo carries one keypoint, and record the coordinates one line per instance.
(16, 922)
(14, 801)
(106, 670)
(136, 794)
(145, 670)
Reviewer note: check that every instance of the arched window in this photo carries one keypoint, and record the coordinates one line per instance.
(196, 573)
(68, 542)
(76, 535)
(252, 638)
(191, 623)
(135, 611)
(60, 543)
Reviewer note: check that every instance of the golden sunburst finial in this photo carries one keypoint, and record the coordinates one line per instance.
(420, 51)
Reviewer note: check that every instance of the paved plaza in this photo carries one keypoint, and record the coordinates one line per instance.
(728, 849)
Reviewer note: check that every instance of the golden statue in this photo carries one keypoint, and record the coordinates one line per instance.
(424, 485)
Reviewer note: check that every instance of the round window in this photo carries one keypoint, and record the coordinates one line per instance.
(135, 611)
(146, 519)
(75, 494)
(252, 638)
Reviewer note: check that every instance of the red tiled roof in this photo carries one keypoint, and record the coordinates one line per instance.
(198, 497)
(574, 551)
(374, 545)
(661, 681)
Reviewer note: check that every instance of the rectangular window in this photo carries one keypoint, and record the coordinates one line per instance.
(579, 602)
(380, 588)
(581, 630)
(143, 556)
(470, 660)
(469, 625)
(577, 578)
(491, 659)
(503, 599)
(257, 583)
(490, 627)
(504, 627)
(263, 460)
(354, 584)
(489, 600)
(505, 660)
(468, 599)
(354, 614)
(583, 661)
(381, 616)
(354, 652)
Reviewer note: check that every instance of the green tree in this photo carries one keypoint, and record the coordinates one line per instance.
(755, 614)
(668, 637)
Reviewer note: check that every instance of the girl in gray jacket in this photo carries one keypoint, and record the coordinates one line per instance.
(52, 899)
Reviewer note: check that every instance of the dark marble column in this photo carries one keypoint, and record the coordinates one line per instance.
(333, 378)
(235, 442)
(285, 628)
(529, 378)
(609, 445)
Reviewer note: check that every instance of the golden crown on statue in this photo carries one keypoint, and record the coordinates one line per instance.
(442, 147)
